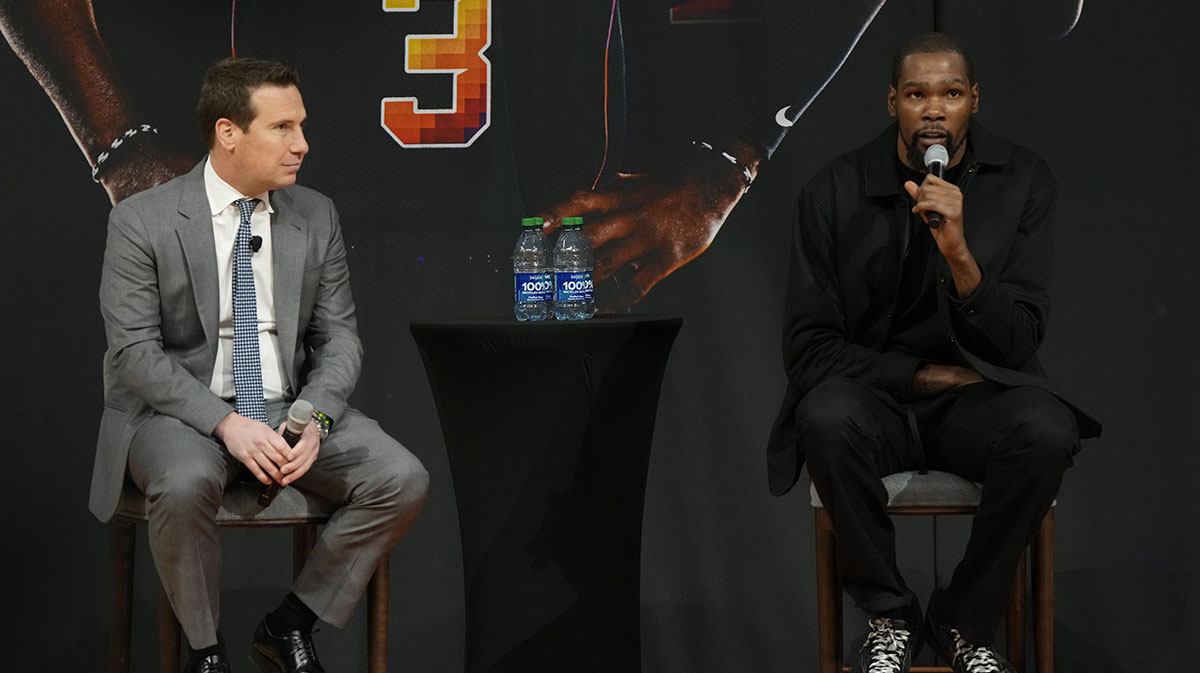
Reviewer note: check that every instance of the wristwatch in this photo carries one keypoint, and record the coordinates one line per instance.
(324, 423)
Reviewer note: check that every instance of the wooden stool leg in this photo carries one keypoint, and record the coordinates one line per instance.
(377, 617)
(168, 634)
(120, 583)
(1043, 595)
(829, 596)
(1014, 620)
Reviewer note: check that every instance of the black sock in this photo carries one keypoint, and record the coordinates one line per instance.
(219, 648)
(291, 615)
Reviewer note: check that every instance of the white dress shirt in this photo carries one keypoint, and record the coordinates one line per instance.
(225, 220)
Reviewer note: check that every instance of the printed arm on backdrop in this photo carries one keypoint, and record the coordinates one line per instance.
(60, 44)
(644, 226)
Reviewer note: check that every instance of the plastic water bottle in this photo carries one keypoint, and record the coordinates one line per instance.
(573, 273)
(533, 280)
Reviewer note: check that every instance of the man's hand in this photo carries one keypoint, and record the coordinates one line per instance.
(937, 195)
(934, 379)
(644, 226)
(258, 447)
(301, 456)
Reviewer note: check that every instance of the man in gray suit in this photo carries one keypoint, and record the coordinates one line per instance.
(185, 414)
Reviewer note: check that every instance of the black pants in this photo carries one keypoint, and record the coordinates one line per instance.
(1017, 442)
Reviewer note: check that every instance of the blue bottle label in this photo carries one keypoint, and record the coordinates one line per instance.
(573, 286)
(534, 287)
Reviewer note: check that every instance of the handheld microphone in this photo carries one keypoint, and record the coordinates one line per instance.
(936, 159)
(299, 416)
(255, 243)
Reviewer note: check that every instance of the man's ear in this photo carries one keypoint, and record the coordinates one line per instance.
(975, 96)
(227, 133)
(891, 100)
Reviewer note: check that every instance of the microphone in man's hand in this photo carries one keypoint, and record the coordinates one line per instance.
(255, 243)
(299, 416)
(936, 159)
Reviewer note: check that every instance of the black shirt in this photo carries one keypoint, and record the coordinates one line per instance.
(916, 328)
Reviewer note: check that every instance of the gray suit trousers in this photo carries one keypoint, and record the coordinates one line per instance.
(381, 485)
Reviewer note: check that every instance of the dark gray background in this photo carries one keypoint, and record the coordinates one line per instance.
(727, 569)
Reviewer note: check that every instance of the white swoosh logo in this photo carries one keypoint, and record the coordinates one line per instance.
(781, 117)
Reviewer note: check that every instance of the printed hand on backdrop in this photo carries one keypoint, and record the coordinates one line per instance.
(60, 44)
(645, 226)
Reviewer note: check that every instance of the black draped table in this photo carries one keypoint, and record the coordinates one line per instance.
(548, 429)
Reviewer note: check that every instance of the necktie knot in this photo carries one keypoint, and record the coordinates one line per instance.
(246, 207)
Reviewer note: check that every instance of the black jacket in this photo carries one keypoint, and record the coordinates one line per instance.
(851, 233)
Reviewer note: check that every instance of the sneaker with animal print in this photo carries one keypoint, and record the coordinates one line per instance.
(965, 657)
(889, 648)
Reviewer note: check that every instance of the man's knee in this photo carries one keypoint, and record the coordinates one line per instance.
(178, 492)
(832, 418)
(179, 470)
(1042, 436)
(403, 482)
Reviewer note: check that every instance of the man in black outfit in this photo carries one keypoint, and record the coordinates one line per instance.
(911, 343)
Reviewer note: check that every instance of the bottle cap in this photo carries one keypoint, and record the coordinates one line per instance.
(572, 222)
(531, 221)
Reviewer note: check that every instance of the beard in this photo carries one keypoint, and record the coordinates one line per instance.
(916, 156)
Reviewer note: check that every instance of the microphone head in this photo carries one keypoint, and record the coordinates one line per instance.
(255, 243)
(299, 416)
(937, 154)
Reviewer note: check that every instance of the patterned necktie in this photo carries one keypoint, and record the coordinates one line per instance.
(247, 365)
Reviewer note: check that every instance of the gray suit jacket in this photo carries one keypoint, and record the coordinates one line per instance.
(159, 300)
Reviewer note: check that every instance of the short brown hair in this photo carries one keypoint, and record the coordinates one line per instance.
(227, 88)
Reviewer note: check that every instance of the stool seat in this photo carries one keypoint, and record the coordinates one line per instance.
(239, 509)
(933, 489)
(931, 494)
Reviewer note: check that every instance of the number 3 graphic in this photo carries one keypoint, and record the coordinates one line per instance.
(459, 54)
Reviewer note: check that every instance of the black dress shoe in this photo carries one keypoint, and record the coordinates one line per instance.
(292, 652)
(213, 663)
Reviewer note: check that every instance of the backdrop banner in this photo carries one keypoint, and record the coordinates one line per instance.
(435, 125)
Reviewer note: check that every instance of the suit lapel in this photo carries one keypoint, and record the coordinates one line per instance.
(196, 237)
(288, 245)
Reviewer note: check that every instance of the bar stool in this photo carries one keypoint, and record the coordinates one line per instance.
(933, 494)
(239, 509)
